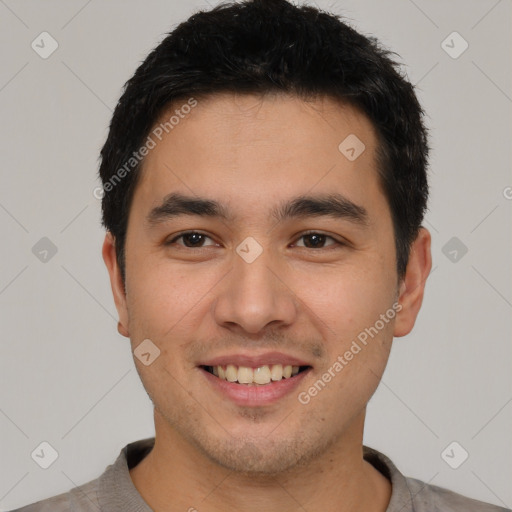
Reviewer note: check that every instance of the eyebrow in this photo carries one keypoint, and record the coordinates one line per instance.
(329, 205)
(175, 205)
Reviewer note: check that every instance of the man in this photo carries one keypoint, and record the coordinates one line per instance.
(264, 184)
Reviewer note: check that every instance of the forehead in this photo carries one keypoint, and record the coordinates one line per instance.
(245, 147)
(252, 120)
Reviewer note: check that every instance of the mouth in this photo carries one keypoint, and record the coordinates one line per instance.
(254, 379)
(259, 376)
(249, 381)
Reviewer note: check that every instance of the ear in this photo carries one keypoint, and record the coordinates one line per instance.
(116, 282)
(412, 286)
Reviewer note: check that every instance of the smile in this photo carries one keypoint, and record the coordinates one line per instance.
(260, 376)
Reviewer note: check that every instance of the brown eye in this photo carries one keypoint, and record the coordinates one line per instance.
(191, 239)
(316, 241)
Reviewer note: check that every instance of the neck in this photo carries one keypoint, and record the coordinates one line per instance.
(176, 476)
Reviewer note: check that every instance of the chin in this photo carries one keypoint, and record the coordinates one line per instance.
(262, 457)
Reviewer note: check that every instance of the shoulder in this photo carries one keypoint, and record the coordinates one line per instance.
(431, 498)
(80, 499)
(412, 495)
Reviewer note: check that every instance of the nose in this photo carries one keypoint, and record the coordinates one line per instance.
(254, 296)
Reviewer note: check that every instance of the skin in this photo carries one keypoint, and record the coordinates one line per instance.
(251, 154)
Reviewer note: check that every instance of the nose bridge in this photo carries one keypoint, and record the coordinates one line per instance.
(253, 296)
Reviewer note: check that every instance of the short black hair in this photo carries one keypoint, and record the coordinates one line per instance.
(264, 46)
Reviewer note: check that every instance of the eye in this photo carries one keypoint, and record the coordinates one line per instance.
(191, 239)
(314, 240)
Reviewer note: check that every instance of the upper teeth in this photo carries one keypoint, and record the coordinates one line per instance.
(261, 375)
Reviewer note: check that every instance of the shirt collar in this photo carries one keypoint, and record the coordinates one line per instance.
(117, 493)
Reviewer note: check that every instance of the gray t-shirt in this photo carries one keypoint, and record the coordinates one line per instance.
(114, 491)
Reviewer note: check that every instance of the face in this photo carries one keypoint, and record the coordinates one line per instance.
(255, 248)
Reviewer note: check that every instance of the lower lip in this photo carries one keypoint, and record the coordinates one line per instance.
(254, 395)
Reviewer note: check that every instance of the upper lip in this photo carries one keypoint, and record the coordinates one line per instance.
(255, 361)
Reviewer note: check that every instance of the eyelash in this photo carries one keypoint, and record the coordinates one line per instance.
(307, 233)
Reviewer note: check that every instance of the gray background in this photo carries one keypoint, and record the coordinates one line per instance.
(67, 376)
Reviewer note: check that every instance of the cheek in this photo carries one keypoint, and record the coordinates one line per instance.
(346, 300)
(163, 298)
